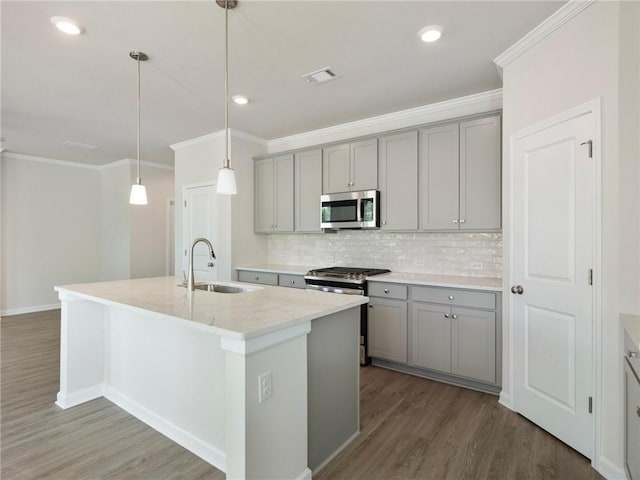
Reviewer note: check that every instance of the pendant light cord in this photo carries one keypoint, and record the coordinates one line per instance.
(226, 82)
(138, 111)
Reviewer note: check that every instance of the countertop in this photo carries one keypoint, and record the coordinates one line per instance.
(276, 268)
(433, 280)
(631, 324)
(236, 315)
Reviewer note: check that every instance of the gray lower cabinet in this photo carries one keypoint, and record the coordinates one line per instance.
(631, 408)
(450, 334)
(387, 329)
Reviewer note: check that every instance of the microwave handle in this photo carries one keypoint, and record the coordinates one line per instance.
(360, 209)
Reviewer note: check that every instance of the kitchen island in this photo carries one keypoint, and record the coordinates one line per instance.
(262, 384)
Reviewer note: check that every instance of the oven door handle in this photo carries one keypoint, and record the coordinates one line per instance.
(341, 290)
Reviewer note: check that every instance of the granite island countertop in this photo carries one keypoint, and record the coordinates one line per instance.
(237, 315)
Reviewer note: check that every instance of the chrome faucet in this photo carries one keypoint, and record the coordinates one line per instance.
(191, 284)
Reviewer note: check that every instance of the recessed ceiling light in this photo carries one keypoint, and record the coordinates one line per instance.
(240, 99)
(430, 33)
(67, 25)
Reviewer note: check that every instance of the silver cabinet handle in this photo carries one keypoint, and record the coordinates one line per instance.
(462, 220)
(370, 306)
(517, 289)
(454, 316)
(450, 297)
(293, 282)
(446, 315)
(631, 354)
(210, 264)
(384, 222)
(455, 220)
(386, 290)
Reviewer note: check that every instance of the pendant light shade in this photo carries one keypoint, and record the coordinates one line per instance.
(138, 194)
(226, 184)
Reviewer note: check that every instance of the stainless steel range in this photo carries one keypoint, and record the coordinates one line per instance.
(347, 281)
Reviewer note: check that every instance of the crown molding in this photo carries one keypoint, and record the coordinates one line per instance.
(542, 31)
(52, 161)
(458, 107)
(218, 135)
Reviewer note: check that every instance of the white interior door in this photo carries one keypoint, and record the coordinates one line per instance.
(552, 256)
(200, 220)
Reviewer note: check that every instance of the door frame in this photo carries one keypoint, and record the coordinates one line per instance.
(594, 107)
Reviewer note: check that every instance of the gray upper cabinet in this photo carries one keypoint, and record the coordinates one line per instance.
(399, 181)
(274, 194)
(350, 167)
(480, 179)
(460, 181)
(308, 188)
(439, 173)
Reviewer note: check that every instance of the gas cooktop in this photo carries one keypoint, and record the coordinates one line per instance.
(349, 274)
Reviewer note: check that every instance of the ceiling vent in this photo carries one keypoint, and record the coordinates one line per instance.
(320, 76)
(80, 146)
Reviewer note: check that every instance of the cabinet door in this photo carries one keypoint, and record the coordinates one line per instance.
(473, 344)
(387, 329)
(335, 169)
(364, 165)
(632, 423)
(399, 181)
(439, 194)
(431, 336)
(308, 188)
(264, 205)
(480, 174)
(283, 187)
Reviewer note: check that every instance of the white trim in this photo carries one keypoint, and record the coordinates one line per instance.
(53, 161)
(610, 470)
(216, 135)
(247, 346)
(131, 161)
(160, 166)
(592, 106)
(72, 399)
(542, 31)
(305, 475)
(117, 163)
(457, 107)
(199, 447)
(32, 309)
(336, 453)
(505, 400)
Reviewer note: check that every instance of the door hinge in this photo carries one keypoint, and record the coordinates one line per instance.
(590, 404)
(591, 276)
(590, 144)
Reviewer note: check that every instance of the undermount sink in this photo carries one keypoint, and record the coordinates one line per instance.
(220, 288)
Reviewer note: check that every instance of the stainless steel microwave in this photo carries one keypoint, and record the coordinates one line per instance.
(350, 210)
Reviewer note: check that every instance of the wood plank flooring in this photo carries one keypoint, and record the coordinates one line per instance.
(412, 428)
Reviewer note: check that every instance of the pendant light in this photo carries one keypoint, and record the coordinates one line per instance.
(226, 184)
(138, 191)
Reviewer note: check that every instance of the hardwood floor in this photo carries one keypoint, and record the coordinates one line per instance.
(410, 428)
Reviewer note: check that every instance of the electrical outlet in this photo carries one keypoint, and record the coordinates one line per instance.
(265, 386)
(477, 266)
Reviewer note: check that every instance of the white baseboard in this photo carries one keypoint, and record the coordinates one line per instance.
(305, 475)
(505, 400)
(69, 400)
(33, 309)
(610, 470)
(335, 454)
(204, 450)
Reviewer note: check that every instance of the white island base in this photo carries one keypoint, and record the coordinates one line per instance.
(197, 382)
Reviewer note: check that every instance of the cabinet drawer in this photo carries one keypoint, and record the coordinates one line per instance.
(448, 296)
(387, 290)
(292, 281)
(258, 277)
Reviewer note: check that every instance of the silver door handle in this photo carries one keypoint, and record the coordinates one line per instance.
(517, 289)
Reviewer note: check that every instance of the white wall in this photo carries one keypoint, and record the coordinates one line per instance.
(197, 161)
(66, 223)
(574, 64)
(50, 230)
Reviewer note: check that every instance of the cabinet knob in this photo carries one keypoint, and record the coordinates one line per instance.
(454, 316)
(370, 306)
(386, 290)
(257, 278)
(210, 264)
(450, 297)
(384, 222)
(446, 315)
(455, 220)
(631, 354)
(517, 289)
(293, 282)
(462, 220)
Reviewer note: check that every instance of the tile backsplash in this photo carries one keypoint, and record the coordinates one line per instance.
(471, 254)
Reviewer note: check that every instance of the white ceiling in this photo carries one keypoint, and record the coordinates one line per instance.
(57, 87)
